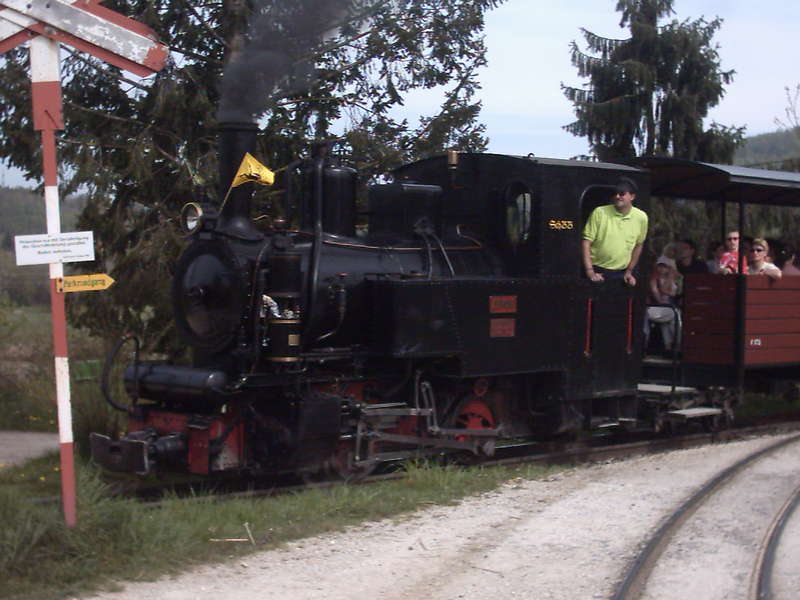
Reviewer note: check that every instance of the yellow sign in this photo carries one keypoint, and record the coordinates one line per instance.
(83, 283)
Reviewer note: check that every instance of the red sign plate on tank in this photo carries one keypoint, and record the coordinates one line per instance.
(502, 328)
(502, 304)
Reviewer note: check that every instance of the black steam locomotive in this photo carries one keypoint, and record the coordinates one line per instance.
(459, 319)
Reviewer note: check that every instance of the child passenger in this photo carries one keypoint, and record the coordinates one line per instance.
(663, 289)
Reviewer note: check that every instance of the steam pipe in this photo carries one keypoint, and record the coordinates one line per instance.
(316, 244)
(287, 209)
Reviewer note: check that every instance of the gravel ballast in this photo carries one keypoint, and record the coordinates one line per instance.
(568, 536)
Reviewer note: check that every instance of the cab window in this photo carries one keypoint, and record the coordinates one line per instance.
(518, 207)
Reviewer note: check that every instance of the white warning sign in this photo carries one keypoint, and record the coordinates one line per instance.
(50, 248)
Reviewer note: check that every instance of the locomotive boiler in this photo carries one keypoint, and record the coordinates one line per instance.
(453, 318)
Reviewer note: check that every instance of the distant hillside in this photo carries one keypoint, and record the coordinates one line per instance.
(22, 213)
(769, 150)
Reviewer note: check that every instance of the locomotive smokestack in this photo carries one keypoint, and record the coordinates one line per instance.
(236, 139)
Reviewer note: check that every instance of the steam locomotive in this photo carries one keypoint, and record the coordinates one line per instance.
(458, 320)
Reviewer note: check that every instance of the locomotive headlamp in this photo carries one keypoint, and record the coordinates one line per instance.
(191, 217)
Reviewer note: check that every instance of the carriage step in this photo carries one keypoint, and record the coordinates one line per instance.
(659, 389)
(693, 413)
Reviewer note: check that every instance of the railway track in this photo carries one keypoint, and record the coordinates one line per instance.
(562, 454)
(655, 571)
(763, 582)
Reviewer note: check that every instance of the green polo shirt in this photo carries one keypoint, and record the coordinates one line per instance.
(614, 235)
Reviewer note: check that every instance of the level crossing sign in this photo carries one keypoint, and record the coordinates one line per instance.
(84, 25)
(117, 40)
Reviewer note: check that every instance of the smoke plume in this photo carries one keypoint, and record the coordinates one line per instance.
(277, 56)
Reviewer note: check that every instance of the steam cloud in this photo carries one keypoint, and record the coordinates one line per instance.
(277, 57)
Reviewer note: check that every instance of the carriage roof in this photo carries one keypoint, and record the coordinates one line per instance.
(704, 181)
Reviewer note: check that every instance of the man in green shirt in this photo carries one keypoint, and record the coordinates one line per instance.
(613, 237)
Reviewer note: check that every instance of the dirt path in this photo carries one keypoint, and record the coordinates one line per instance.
(567, 537)
(19, 446)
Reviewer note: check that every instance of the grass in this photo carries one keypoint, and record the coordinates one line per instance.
(40, 559)
(758, 407)
(27, 383)
(38, 477)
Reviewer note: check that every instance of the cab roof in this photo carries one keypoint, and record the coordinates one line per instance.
(531, 159)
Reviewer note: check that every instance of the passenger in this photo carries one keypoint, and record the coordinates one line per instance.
(687, 260)
(715, 252)
(670, 250)
(759, 265)
(787, 258)
(775, 251)
(729, 261)
(663, 289)
(613, 237)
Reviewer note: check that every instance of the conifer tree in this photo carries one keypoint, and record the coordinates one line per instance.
(305, 69)
(649, 93)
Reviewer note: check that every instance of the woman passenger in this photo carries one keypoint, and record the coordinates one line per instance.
(759, 265)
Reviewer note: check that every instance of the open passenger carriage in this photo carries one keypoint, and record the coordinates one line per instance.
(739, 331)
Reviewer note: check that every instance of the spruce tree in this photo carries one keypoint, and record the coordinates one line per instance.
(649, 93)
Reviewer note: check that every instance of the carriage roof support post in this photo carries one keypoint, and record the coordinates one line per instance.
(723, 222)
(741, 293)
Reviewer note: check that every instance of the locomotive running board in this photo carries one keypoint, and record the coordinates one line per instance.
(454, 444)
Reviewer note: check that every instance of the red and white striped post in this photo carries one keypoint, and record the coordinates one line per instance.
(118, 40)
(47, 118)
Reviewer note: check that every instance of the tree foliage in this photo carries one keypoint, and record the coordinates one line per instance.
(649, 93)
(304, 70)
(790, 125)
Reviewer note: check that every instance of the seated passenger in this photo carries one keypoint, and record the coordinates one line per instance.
(775, 251)
(786, 258)
(663, 289)
(758, 260)
(687, 260)
(715, 252)
(729, 261)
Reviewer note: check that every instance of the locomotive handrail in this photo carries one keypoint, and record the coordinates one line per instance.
(363, 246)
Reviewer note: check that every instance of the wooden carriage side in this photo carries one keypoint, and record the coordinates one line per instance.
(770, 321)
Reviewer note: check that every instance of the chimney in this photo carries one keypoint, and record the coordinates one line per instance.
(235, 139)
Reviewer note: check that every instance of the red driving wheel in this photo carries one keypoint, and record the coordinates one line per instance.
(474, 413)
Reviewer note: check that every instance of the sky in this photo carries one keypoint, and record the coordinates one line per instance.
(528, 41)
(524, 109)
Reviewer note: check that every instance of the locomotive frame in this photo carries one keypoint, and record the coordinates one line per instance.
(461, 319)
